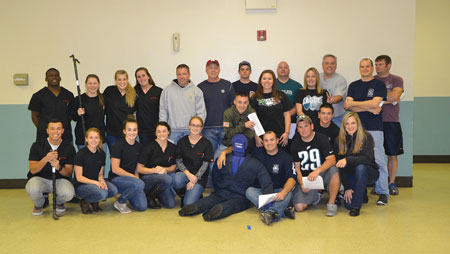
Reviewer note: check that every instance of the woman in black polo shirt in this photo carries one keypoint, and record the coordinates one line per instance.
(156, 165)
(93, 110)
(90, 183)
(194, 153)
(123, 174)
(147, 105)
(119, 103)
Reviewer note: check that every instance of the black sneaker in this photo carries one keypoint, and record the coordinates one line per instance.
(188, 210)
(289, 212)
(268, 216)
(393, 190)
(382, 200)
(354, 212)
(214, 213)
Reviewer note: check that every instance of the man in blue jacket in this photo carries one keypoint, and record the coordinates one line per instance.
(230, 183)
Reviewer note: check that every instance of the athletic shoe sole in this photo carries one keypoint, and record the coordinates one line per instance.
(120, 209)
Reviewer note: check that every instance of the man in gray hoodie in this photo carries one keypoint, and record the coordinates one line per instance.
(180, 101)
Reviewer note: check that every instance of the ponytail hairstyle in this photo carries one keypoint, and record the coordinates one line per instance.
(316, 73)
(101, 101)
(130, 93)
(275, 93)
(100, 144)
(360, 135)
(130, 119)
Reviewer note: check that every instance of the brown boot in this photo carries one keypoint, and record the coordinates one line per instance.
(96, 207)
(85, 208)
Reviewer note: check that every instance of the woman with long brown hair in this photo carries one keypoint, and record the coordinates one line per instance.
(356, 161)
(272, 107)
(147, 105)
(93, 110)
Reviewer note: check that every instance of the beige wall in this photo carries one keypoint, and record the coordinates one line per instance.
(111, 35)
(432, 51)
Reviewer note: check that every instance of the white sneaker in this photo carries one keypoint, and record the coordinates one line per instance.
(37, 211)
(331, 210)
(122, 208)
(60, 208)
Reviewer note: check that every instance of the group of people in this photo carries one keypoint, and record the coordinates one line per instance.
(186, 137)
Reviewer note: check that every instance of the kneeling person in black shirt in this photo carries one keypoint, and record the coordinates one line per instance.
(314, 156)
(279, 165)
(90, 183)
(46, 154)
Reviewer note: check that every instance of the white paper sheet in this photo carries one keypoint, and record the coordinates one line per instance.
(265, 199)
(292, 130)
(315, 185)
(258, 126)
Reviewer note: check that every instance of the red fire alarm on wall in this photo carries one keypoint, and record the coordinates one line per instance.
(261, 35)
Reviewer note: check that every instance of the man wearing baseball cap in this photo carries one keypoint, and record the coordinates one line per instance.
(313, 156)
(244, 84)
(218, 95)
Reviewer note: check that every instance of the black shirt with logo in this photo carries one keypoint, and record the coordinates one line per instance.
(194, 155)
(128, 156)
(91, 163)
(50, 106)
(313, 154)
(39, 149)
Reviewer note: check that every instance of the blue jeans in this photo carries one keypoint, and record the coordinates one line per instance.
(252, 194)
(360, 177)
(91, 193)
(229, 205)
(111, 141)
(164, 183)
(37, 186)
(176, 135)
(215, 136)
(381, 186)
(179, 182)
(131, 189)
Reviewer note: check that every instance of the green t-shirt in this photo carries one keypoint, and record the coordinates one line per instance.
(290, 88)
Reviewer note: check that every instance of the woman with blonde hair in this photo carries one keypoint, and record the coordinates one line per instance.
(309, 99)
(119, 103)
(356, 161)
(90, 184)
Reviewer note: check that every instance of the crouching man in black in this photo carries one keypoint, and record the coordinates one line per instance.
(230, 182)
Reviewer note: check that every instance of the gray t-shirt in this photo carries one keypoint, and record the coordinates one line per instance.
(336, 85)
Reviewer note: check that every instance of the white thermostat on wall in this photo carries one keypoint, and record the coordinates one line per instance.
(176, 41)
(21, 79)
